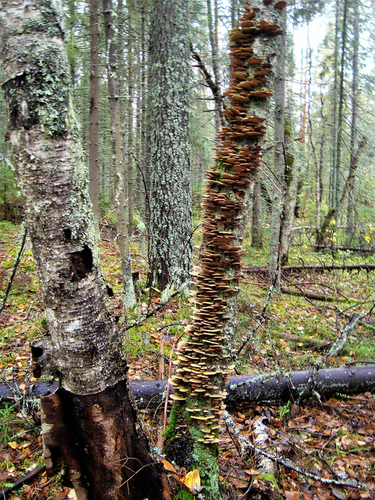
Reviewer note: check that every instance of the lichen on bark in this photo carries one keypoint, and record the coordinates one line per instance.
(90, 419)
(53, 182)
(170, 245)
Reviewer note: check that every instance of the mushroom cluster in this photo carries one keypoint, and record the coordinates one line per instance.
(203, 360)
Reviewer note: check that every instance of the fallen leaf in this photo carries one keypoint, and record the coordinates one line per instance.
(24, 445)
(168, 466)
(338, 494)
(60, 495)
(292, 495)
(192, 481)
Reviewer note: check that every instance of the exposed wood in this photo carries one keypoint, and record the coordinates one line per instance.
(79, 427)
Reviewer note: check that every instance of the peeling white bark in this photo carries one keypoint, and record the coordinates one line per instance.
(83, 347)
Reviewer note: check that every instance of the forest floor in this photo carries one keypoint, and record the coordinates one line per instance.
(332, 440)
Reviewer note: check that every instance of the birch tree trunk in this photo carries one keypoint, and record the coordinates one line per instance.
(170, 245)
(90, 420)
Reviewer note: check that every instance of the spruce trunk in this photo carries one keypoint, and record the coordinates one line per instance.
(170, 245)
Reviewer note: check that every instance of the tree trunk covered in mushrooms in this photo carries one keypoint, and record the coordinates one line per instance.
(91, 419)
(114, 105)
(170, 245)
(204, 358)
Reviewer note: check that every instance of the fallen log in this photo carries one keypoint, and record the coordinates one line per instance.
(318, 268)
(310, 295)
(331, 267)
(22, 481)
(245, 388)
(343, 248)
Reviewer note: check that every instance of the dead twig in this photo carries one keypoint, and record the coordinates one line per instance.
(244, 443)
(154, 311)
(23, 235)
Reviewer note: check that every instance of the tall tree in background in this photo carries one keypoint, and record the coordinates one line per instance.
(341, 185)
(212, 31)
(279, 135)
(90, 420)
(94, 107)
(355, 110)
(130, 127)
(144, 208)
(340, 117)
(119, 187)
(256, 225)
(170, 245)
(290, 194)
(71, 46)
